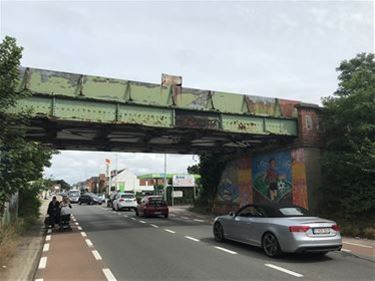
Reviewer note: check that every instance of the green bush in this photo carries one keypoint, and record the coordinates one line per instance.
(29, 204)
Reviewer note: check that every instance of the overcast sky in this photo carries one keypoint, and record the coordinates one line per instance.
(285, 49)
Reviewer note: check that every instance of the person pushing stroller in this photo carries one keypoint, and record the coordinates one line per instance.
(53, 212)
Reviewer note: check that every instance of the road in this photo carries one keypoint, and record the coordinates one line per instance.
(182, 248)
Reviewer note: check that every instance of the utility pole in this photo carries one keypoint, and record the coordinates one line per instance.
(165, 177)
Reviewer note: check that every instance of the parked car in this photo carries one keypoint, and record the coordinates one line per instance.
(125, 201)
(110, 199)
(73, 196)
(279, 228)
(152, 206)
(90, 199)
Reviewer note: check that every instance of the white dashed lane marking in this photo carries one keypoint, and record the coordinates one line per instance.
(198, 220)
(345, 250)
(76, 223)
(170, 231)
(356, 244)
(283, 270)
(142, 221)
(96, 255)
(39, 279)
(46, 247)
(79, 228)
(126, 216)
(49, 231)
(154, 225)
(192, 238)
(226, 250)
(133, 219)
(89, 243)
(83, 234)
(48, 237)
(42, 263)
(108, 274)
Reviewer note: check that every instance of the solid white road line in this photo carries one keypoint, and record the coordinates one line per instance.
(96, 255)
(198, 220)
(170, 231)
(283, 270)
(226, 250)
(89, 243)
(83, 234)
(79, 228)
(42, 263)
(192, 238)
(154, 225)
(345, 250)
(46, 247)
(49, 231)
(142, 221)
(108, 274)
(48, 237)
(355, 244)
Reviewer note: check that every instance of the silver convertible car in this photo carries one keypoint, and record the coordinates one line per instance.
(279, 228)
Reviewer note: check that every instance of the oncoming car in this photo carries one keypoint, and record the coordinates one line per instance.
(279, 228)
(73, 196)
(125, 201)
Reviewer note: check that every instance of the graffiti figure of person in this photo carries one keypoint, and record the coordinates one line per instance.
(271, 179)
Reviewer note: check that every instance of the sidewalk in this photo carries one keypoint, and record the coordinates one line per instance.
(27, 253)
(364, 248)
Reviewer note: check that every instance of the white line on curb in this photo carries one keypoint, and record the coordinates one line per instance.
(283, 270)
(142, 221)
(96, 255)
(49, 231)
(345, 250)
(83, 234)
(355, 244)
(108, 274)
(226, 250)
(48, 237)
(154, 225)
(170, 231)
(198, 220)
(89, 243)
(42, 263)
(192, 238)
(79, 228)
(46, 247)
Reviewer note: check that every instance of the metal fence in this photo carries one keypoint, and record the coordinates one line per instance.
(11, 210)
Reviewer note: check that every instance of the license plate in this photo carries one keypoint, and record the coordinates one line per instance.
(321, 230)
(128, 200)
(157, 213)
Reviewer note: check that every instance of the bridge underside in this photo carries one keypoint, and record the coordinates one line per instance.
(73, 135)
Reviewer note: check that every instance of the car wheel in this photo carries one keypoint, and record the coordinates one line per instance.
(136, 213)
(166, 216)
(219, 232)
(270, 245)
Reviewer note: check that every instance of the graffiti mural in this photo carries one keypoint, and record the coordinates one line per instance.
(228, 189)
(299, 178)
(272, 176)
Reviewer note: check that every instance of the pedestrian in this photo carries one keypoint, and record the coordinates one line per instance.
(53, 211)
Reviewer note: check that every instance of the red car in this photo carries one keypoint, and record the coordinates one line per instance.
(152, 206)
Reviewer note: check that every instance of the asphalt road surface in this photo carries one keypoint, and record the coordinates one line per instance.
(182, 248)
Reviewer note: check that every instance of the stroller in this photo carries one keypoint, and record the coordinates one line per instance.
(65, 218)
(65, 222)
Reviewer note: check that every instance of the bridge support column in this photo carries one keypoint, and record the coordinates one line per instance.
(285, 174)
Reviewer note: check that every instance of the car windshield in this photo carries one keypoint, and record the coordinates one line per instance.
(294, 212)
(73, 193)
(129, 196)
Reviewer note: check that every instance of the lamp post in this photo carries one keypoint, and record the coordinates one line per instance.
(165, 177)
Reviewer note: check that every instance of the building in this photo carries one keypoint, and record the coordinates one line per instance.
(125, 180)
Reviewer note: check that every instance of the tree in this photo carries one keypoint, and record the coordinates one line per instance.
(193, 169)
(348, 188)
(20, 161)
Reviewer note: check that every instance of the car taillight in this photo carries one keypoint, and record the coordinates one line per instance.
(335, 227)
(299, 228)
(121, 200)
